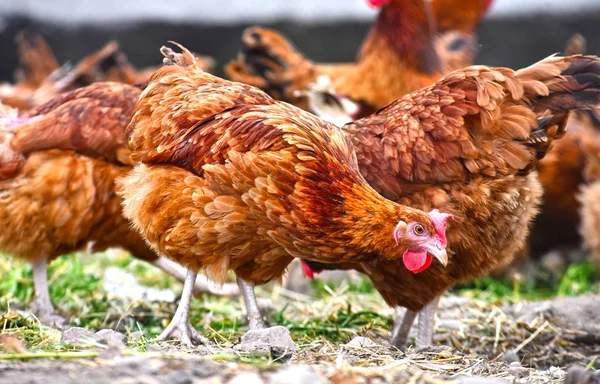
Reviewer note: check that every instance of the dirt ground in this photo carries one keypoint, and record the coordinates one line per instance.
(524, 343)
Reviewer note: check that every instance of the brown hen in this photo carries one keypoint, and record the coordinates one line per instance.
(398, 56)
(58, 164)
(234, 180)
(467, 145)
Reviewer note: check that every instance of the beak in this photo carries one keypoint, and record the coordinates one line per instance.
(438, 253)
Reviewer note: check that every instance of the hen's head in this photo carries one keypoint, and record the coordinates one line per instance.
(423, 240)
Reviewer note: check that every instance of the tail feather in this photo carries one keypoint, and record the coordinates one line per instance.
(36, 59)
(271, 62)
(555, 86)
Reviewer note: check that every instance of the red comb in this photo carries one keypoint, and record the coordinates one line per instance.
(487, 3)
(381, 3)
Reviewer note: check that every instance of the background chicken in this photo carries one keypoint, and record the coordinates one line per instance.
(36, 63)
(562, 173)
(39, 78)
(58, 164)
(467, 145)
(397, 56)
(234, 180)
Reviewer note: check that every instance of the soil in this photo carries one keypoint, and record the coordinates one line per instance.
(524, 343)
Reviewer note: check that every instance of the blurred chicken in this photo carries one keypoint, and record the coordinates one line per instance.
(398, 56)
(561, 173)
(589, 194)
(467, 145)
(58, 163)
(234, 180)
(107, 64)
(36, 63)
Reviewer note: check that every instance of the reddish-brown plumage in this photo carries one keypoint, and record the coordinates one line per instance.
(466, 146)
(61, 194)
(39, 79)
(398, 56)
(234, 180)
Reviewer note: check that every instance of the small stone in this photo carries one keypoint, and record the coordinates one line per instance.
(510, 357)
(275, 342)
(78, 335)
(296, 374)
(247, 378)
(135, 337)
(517, 370)
(110, 337)
(361, 342)
(180, 377)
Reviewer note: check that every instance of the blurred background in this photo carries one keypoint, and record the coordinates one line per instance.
(515, 33)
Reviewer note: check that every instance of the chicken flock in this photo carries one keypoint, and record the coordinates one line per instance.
(410, 165)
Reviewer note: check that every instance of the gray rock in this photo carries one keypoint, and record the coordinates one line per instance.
(361, 342)
(574, 312)
(518, 371)
(510, 357)
(110, 337)
(78, 335)
(296, 374)
(135, 337)
(274, 341)
(246, 378)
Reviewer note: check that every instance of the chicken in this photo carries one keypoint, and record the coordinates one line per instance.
(561, 173)
(36, 62)
(589, 193)
(467, 145)
(398, 56)
(58, 164)
(107, 64)
(233, 180)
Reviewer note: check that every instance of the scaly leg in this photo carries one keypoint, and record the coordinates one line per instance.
(180, 326)
(255, 320)
(426, 322)
(401, 330)
(42, 305)
(202, 284)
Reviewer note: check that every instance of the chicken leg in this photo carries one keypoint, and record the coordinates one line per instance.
(42, 305)
(255, 320)
(180, 326)
(426, 322)
(201, 285)
(402, 329)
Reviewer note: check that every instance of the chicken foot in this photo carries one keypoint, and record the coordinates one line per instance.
(426, 322)
(255, 320)
(402, 329)
(42, 305)
(180, 326)
(202, 284)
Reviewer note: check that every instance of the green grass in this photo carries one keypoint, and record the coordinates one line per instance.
(337, 314)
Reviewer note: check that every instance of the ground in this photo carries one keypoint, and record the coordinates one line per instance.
(517, 332)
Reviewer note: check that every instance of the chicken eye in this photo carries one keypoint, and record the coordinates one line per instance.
(419, 230)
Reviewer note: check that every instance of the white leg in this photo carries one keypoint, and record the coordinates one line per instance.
(42, 305)
(180, 326)
(202, 284)
(402, 329)
(426, 322)
(255, 320)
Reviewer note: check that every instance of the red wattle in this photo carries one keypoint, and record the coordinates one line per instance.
(416, 261)
(308, 270)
